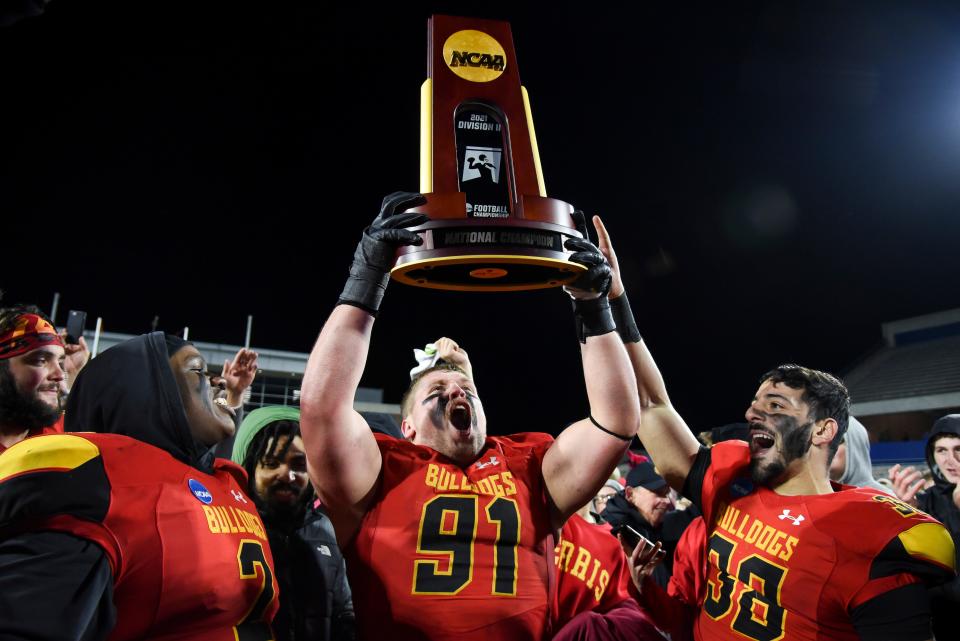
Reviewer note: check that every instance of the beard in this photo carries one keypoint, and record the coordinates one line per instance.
(282, 515)
(796, 443)
(21, 411)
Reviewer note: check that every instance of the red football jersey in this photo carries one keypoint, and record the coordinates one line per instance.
(455, 553)
(793, 567)
(592, 572)
(188, 550)
(674, 609)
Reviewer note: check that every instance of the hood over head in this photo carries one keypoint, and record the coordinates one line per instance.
(130, 389)
(949, 425)
(859, 467)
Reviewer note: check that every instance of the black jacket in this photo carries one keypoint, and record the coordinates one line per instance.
(315, 600)
(938, 503)
(620, 511)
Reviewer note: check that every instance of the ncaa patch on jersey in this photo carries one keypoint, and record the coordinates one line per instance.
(203, 494)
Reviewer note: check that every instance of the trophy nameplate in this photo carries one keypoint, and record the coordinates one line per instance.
(492, 226)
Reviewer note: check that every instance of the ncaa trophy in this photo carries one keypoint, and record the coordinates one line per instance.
(492, 226)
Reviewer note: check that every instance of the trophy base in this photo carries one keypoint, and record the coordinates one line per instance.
(521, 252)
(488, 272)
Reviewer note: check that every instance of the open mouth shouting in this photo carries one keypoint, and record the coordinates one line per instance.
(761, 440)
(460, 414)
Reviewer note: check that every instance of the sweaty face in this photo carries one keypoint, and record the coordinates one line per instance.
(447, 415)
(946, 454)
(280, 478)
(32, 388)
(204, 400)
(779, 431)
(652, 505)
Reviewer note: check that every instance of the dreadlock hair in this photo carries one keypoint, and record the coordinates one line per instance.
(263, 446)
(441, 366)
(823, 393)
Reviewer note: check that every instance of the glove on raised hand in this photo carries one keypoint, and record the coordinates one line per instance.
(373, 259)
(592, 314)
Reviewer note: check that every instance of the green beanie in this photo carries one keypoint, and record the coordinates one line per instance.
(256, 421)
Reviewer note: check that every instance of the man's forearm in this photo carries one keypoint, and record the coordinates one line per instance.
(663, 432)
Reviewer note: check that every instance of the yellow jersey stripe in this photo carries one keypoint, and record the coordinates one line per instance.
(48, 452)
(930, 542)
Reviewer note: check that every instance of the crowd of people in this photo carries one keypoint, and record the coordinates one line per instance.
(137, 501)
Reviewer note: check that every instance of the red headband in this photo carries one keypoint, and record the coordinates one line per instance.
(29, 333)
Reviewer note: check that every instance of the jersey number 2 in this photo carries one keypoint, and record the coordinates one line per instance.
(249, 558)
(758, 614)
(448, 527)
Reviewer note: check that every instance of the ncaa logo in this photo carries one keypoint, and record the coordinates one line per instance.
(474, 55)
(203, 494)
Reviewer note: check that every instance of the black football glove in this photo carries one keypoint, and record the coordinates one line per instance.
(592, 315)
(375, 254)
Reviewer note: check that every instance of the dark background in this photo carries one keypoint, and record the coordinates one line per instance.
(779, 178)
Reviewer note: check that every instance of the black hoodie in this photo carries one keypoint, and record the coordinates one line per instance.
(938, 503)
(129, 389)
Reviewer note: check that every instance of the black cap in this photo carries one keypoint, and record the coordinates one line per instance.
(645, 475)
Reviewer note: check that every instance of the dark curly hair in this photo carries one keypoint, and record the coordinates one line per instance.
(263, 447)
(824, 394)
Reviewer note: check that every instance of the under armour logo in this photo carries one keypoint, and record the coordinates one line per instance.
(786, 515)
(492, 461)
(238, 496)
(324, 550)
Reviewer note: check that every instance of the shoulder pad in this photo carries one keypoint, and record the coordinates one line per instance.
(56, 474)
(62, 452)
(923, 549)
(930, 542)
(735, 454)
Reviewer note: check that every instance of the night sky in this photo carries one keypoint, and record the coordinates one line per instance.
(778, 178)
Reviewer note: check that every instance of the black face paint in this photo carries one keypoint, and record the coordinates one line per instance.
(796, 440)
(473, 410)
(439, 411)
(796, 443)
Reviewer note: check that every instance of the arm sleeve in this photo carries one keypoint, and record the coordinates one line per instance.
(902, 613)
(54, 587)
(693, 485)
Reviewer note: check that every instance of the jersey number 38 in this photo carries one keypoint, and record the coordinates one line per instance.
(750, 593)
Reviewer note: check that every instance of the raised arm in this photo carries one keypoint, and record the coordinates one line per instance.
(663, 432)
(342, 454)
(585, 453)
